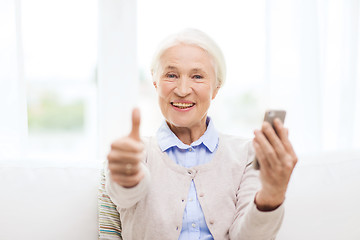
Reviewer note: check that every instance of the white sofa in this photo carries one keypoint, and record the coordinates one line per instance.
(43, 201)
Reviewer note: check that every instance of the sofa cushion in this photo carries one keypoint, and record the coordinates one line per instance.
(46, 202)
(109, 217)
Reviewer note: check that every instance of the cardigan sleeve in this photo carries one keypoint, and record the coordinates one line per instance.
(127, 197)
(249, 222)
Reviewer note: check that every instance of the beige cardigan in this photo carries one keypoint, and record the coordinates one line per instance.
(226, 187)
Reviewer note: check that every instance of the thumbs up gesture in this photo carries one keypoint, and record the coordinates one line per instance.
(125, 156)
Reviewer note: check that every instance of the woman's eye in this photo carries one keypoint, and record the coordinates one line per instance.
(171, 75)
(197, 77)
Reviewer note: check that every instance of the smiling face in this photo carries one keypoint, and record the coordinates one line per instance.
(186, 86)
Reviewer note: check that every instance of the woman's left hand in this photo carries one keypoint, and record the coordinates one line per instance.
(277, 159)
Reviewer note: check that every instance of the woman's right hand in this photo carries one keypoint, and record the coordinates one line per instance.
(126, 155)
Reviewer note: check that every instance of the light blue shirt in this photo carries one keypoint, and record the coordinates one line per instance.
(199, 152)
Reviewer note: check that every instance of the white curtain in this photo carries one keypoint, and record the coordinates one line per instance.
(312, 70)
(13, 118)
(117, 70)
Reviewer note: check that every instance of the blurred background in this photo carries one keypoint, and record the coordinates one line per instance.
(71, 71)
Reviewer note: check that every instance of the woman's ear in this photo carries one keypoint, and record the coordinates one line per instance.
(216, 90)
(154, 81)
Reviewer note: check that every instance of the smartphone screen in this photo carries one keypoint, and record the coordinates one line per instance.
(269, 117)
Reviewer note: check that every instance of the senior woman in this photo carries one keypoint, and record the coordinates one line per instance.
(190, 181)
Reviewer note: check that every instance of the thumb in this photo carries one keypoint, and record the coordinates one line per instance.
(135, 130)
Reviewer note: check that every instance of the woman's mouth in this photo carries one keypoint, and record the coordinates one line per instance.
(182, 105)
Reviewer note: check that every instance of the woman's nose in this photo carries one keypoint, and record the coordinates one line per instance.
(183, 87)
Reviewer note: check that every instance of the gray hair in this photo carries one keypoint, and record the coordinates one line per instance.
(197, 38)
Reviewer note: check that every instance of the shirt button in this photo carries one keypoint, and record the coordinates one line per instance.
(211, 221)
(191, 199)
(190, 149)
(201, 194)
(193, 225)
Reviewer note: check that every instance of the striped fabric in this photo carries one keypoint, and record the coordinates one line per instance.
(109, 218)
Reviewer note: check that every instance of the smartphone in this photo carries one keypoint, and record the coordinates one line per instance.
(269, 117)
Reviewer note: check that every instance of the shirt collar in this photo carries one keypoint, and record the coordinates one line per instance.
(167, 139)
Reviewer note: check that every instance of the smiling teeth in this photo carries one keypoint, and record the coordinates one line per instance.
(183, 105)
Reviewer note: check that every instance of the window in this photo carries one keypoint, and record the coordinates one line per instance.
(72, 70)
(60, 56)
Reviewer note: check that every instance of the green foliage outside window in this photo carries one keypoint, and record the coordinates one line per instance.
(49, 113)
